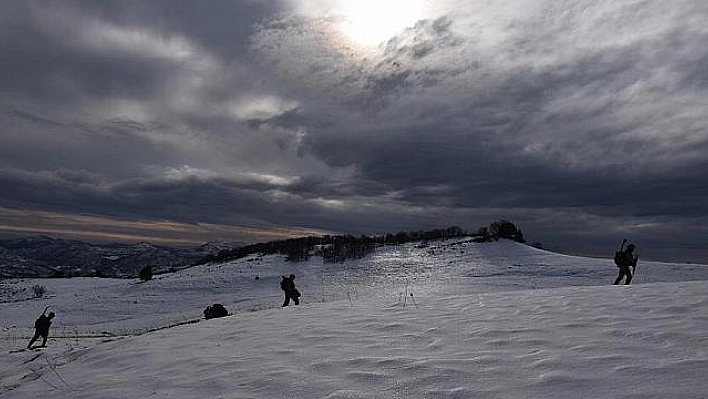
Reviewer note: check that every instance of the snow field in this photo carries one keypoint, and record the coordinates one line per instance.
(495, 320)
(551, 343)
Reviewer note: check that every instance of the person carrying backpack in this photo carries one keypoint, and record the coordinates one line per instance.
(41, 328)
(624, 259)
(287, 284)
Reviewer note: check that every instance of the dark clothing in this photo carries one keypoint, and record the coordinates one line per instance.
(288, 287)
(625, 261)
(41, 329)
(624, 271)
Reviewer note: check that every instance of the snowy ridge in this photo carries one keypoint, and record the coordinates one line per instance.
(543, 326)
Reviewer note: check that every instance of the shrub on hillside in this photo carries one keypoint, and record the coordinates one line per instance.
(506, 229)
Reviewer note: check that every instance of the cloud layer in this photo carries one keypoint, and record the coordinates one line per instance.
(583, 122)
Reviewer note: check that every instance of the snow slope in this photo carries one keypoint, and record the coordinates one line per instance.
(498, 320)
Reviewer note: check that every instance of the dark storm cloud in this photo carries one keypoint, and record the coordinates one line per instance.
(49, 63)
(37, 143)
(249, 200)
(224, 27)
(570, 117)
(187, 200)
(90, 48)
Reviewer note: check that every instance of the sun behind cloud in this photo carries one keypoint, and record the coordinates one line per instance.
(372, 22)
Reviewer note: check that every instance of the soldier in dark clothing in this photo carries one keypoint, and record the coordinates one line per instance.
(41, 329)
(288, 286)
(624, 260)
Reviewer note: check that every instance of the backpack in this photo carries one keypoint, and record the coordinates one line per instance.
(624, 259)
(214, 311)
(619, 258)
(283, 284)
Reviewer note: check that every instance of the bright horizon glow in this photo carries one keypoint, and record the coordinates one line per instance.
(372, 22)
(110, 229)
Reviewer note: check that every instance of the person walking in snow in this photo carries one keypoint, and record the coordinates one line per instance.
(288, 287)
(624, 259)
(41, 329)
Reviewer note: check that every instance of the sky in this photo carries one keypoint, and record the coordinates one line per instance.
(583, 122)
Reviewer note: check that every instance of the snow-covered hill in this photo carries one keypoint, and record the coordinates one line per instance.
(453, 319)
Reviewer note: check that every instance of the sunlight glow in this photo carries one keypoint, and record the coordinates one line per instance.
(372, 22)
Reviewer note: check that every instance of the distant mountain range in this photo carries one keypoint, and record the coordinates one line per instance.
(55, 257)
